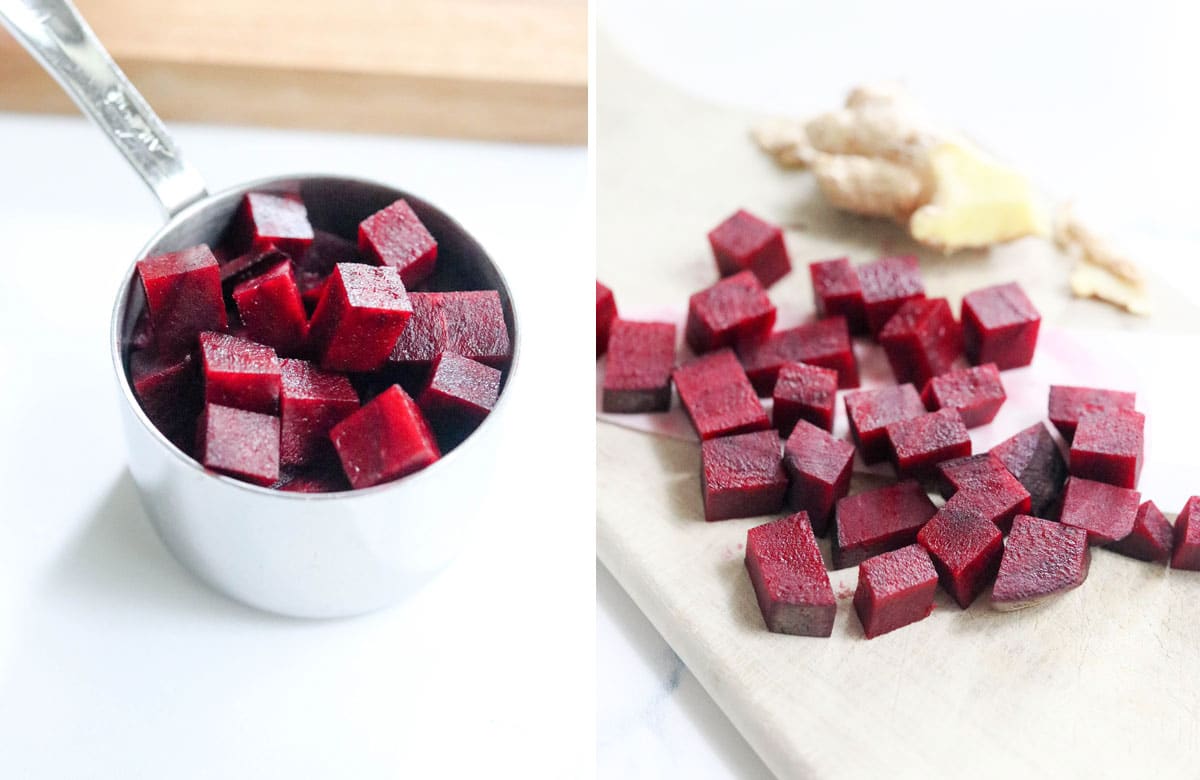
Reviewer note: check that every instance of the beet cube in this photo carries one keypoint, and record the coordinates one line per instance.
(789, 578)
(743, 242)
(824, 343)
(879, 520)
(606, 312)
(396, 237)
(239, 373)
(804, 392)
(887, 284)
(735, 308)
(1151, 538)
(818, 468)
(976, 393)
(361, 314)
(1032, 456)
(718, 397)
(270, 307)
(894, 590)
(641, 356)
(1000, 326)
(169, 392)
(1186, 554)
(1108, 447)
(919, 444)
(183, 294)
(838, 292)
(475, 326)
(988, 484)
(1106, 512)
(921, 340)
(245, 266)
(320, 480)
(871, 411)
(385, 439)
(239, 443)
(1042, 559)
(743, 475)
(1068, 404)
(424, 337)
(460, 389)
(326, 251)
(311, 402)
(277, 220)
(965, 547)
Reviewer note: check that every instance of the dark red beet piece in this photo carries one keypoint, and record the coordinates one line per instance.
(919, 444)
(746, 243)
(735, 308)
(718, 397)
(789, 578)
(838, 292)
(965, 548)
(141, 337)
(894, 590)
(1151, 538)
(1108, 447)
(386, 439)
(1041, 559)
(871, 411)
(239, 443)
(311, 402)
(818, 468)
(921, 340)
(641, 356)
(606, 312)
(239, 373)
(475, 326)
(169, 391)
(887, 284)
(1068, 404)
(824, 343)
(995, 492)
(425, 335)
(461, 389)
(271, 310)
(396, 237)
(245, 266)
(1186, 554)
(1032, 456)
(321, 480)
(1000, 326)
(326, 251)
(879, 520)
(1106, 512)
(277, 220)
(362, 312)
(804, 392)
(976, 393)
(183, 294)
(743, 475)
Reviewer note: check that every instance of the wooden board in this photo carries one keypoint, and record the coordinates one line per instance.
(494, 69)
(1102, 682)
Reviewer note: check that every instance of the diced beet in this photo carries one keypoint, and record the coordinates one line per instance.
(142, 336)
(887, 284)
(789, 578)
(1106, 512)
(641, 356)
(425, 335)
(245, 266)
(718, 397)
(1186, 554)
(894, 590)
(735, 308)
(326, 251)
(239, 373)
(239, 443)
(269, 306)
(838, 292)
(965, 547)
(606, 312)
(386, 439)
(362, 312)
(1033, 457)
(311, 286)
(871, 411)
(461, 389)
(1108, 447)
(1068, 404)
(987, 484)
(1041, 559)
(976, 393)
(921, 340)
(746, 243)
(396, 237)
(919, 444)
(475, 326)
(743, 475)
(818, 468)
(824, 343)
(169, 391)
(322, 480)
(311, 402)
(1151, 538)
(183, 294)
(804, 392)
(879, 520)
(277, 220)
(1000, 326)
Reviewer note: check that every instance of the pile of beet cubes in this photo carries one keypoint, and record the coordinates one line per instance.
(948, 376)
(290, 357)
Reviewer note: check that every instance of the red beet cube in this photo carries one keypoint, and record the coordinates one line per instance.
(1068, 404)
(789, 578)
(838, 292)
(239, 443)
(1106, 512)
(239, 373)
(880, 520)
(320, 480)
(965, 548)
(921, 340)
(326, 251)
(460, 389)
(270, 307)
(976, 393)
(1000, 326)
(183, 294)
(1108, 447)
(641, 356)
(871, 411)
(475, 326)
(277, 220)
(245, 266)
(818, 468)
(396, 237)
(919, 444)
(734, 308)
(986, 482)
(887, 284)
(894, 590)
(746, 243)
(1032, 456)
(1186, 554)
(1042, 559)
(743, 475)
(606, 312)
(362, 312)
(718, 397)
(824, 343)
(168, 390)
(386, 439)
(424, 337)
(311, 402)
(1151, 538)
(804, 392)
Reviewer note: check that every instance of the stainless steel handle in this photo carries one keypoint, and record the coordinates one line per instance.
(58, 37)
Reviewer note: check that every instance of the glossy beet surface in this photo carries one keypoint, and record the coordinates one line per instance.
(804, 392)
(1067, 404)
(789, 578)
(921, 340)
(1109, 447)
(1000, 325)
(1152, 536)
(718, 397)
(894, 590)
(919, 444)
(475, 326)
(878, 521)
(742, 475)
(743, 242)
(386, 439)
(887, 284)
(976, 393)
(183, 296)
(362, 312)
(395, 237)
(965, 548)
(606, 312)
(824, 343)
(837, 291)
(985, 483)
(871, 411)
(734, 308)
(281, 221)
(1105, 511)
(1041, 559)
(271, 310)
(819, 469)
(170, 392)
(239, 443)
(1186, 554)
(460, 389)
(239, 373)
(311, 402)
(637, 377)
(1033, 457)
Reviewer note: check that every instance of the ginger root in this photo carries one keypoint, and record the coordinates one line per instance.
(1100, 270)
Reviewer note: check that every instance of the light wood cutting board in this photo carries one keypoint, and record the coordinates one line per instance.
(1104, 681)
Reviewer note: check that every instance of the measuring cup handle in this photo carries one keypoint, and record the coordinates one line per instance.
(58, 37)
